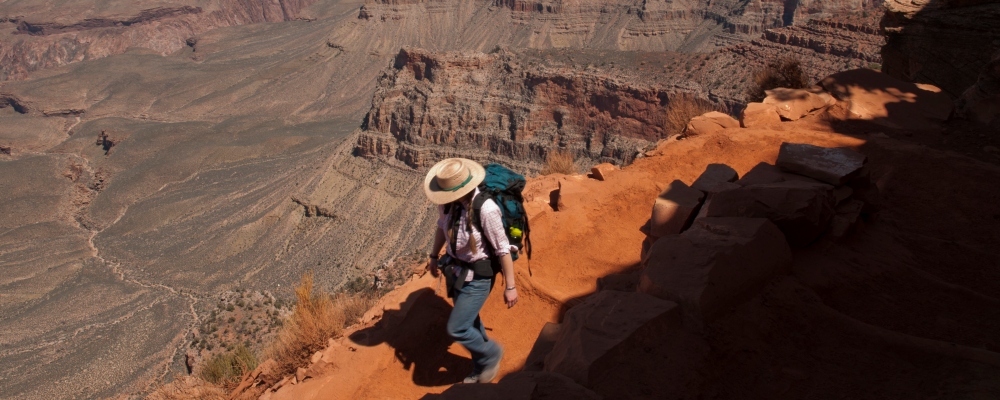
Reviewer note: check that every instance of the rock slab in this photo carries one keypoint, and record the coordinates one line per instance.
(674, 209)
(831, 165)
(601, 171)
(715, 265)
(715, 173)
(802, 210)
(598, 324)
(709, 123)
(759, 114)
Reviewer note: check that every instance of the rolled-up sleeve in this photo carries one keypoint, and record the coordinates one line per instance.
(492, 221)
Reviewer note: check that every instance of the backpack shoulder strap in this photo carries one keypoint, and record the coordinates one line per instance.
(477, 209)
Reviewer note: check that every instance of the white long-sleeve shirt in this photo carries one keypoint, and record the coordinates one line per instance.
(492, 220)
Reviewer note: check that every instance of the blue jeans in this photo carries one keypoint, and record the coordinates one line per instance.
(466, 328)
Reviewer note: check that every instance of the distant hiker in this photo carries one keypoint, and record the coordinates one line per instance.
(469, 265)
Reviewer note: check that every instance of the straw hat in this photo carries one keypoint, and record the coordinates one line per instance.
(452, 178)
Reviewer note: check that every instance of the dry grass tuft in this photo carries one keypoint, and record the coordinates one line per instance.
(187, 388)
(316, 319)
(227, 369)
(682, 108)
(559, 162)
(781, 73)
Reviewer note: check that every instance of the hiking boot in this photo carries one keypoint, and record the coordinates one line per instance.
(490, 372)
(472, 378)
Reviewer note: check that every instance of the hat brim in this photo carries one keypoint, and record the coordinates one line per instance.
(440, 196)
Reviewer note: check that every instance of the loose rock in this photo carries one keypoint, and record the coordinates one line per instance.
(709, 123)
(758, 115)
(601, 171)
(674, 209)
(715, 173)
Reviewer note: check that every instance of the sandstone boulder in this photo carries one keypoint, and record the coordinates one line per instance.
(715, 173)
(793, 104)
(709, 123)
(831, 165)
(802, 210)
(759, 114)
(598, 324)
(981, 102)
(715, 265)
(571, 194)
(674, 209)
(873, 96)
(601, 171)
(543, 345)
(760, 174)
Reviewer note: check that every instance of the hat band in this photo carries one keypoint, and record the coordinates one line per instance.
(461, 185)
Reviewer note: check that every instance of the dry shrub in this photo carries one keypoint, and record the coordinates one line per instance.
(682, 108)
(316, 319)
(187, 388)
(559, 162)
(781, 73)
(227, 369)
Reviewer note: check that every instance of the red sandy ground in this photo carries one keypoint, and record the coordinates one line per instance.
(880, 310)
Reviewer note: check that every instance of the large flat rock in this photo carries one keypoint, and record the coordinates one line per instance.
(674, 209)
(757, 115)
(601, 322)
(835, 166)
(714, 265)
(802, 210)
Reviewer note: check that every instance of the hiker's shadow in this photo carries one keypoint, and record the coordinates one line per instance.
(418, 333)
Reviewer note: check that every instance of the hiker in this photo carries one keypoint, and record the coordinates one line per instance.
(473, 252)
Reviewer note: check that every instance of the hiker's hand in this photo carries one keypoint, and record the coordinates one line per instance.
(432, 266)
(510, 296)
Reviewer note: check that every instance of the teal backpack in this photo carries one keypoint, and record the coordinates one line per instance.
(504, 187)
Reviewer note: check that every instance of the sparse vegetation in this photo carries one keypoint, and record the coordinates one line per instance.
(781, 73)
(559, 162)
(316, 318)
(682, 108)
(226, 369)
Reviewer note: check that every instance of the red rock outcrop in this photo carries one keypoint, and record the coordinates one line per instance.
(490, 107)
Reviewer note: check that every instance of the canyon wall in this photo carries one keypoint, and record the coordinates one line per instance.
(492, 107)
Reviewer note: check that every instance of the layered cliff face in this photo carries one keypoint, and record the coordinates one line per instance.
(644, 25)
(35, 36)
(492, 107)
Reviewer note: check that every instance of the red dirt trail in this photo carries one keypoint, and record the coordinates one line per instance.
(892, 310)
